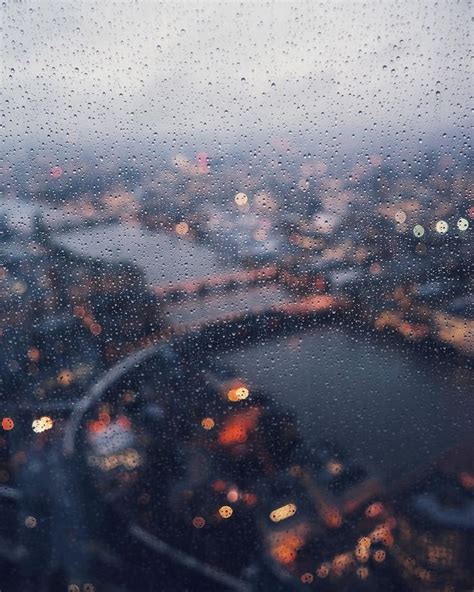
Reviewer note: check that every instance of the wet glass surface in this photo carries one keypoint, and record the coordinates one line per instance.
(236, 297)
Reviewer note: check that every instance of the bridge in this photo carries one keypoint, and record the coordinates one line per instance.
(218, 282)
(254, 324)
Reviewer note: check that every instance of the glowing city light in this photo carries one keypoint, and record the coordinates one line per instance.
(374, 510)
(182, 228)
(418, 230)
(8, 424)
(462, 224)
(232, 395)
(241, 199)
(400, 217)
(238, 394)
(208, 423)
(441, 227)
(283, 513)
(241, 393)
(232, 495)
(362, 550)
(225, 512)
(42, 424)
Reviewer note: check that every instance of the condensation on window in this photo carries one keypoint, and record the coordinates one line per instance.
(237, 316)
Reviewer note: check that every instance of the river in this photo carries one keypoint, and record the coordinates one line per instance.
(389, 403)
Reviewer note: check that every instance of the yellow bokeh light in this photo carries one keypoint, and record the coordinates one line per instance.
(232, 395)
(241, 393)
(463, 224)
(364, 542)
(362, 552)
(400, 216)
(418, 230)
(441, 227)
(182, 228)
(225, 512)
(42, 424)
(241, 199)
(283, 513)
(237, 394)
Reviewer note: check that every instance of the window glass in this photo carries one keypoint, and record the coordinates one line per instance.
(237, 317)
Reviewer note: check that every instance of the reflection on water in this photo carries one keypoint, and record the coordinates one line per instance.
(390, 407)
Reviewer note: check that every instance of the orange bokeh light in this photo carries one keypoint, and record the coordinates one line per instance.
(8, 423)
(237, 427)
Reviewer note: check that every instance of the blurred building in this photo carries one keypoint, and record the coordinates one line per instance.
(435, 527)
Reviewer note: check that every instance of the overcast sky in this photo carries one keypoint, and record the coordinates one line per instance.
(234, 70)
